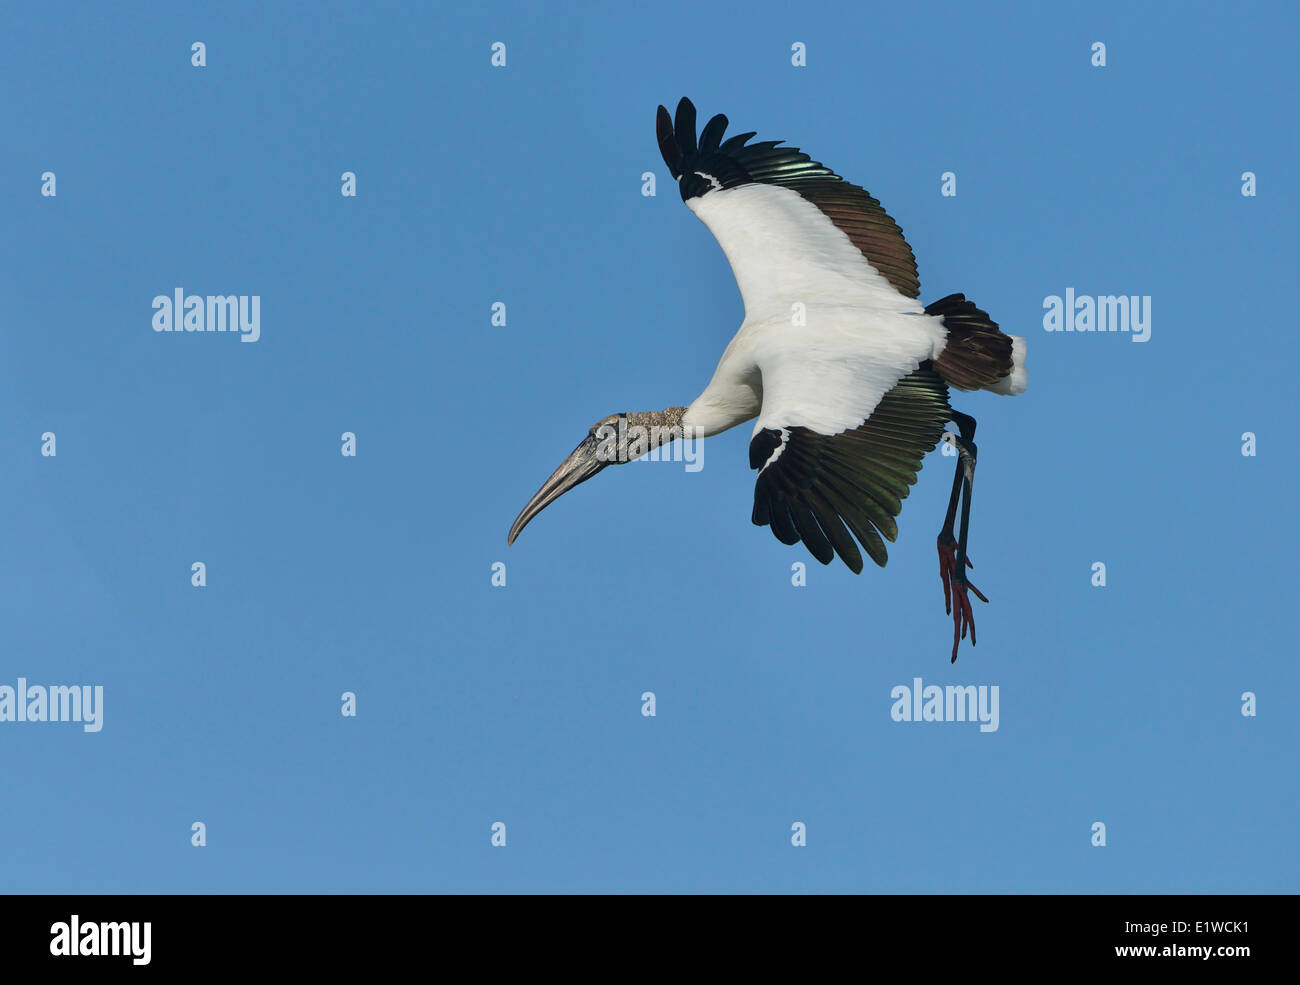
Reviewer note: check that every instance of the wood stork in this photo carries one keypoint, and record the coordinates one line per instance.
(844, 369)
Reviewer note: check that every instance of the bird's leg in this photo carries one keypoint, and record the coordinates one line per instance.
(947, 542)
(962, 617)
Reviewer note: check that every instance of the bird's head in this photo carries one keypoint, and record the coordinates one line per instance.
(600, 448)
(613, 440)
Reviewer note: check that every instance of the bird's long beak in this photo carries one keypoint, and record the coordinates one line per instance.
(580, 466)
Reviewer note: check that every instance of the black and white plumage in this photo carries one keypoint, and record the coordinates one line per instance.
(845, 373)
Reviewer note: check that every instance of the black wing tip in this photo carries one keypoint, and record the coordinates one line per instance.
(791, 535)
(678, 142)
(669, 148)
(711, 135)
(822, 515)
(684, 127)
(676, 135)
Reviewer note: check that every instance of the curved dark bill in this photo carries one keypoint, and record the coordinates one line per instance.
(580, 466)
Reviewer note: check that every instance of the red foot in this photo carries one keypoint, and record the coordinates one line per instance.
(962, 616)
(955, 587)
(948, 561)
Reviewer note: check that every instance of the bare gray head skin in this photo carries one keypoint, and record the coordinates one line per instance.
(613, 440)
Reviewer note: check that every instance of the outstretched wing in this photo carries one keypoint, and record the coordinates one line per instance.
(789, 225)
(851, 402)
(827, 489)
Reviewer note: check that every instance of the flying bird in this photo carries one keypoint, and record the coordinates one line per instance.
(844, 372)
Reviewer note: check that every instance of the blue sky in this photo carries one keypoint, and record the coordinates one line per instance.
(522, 704)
